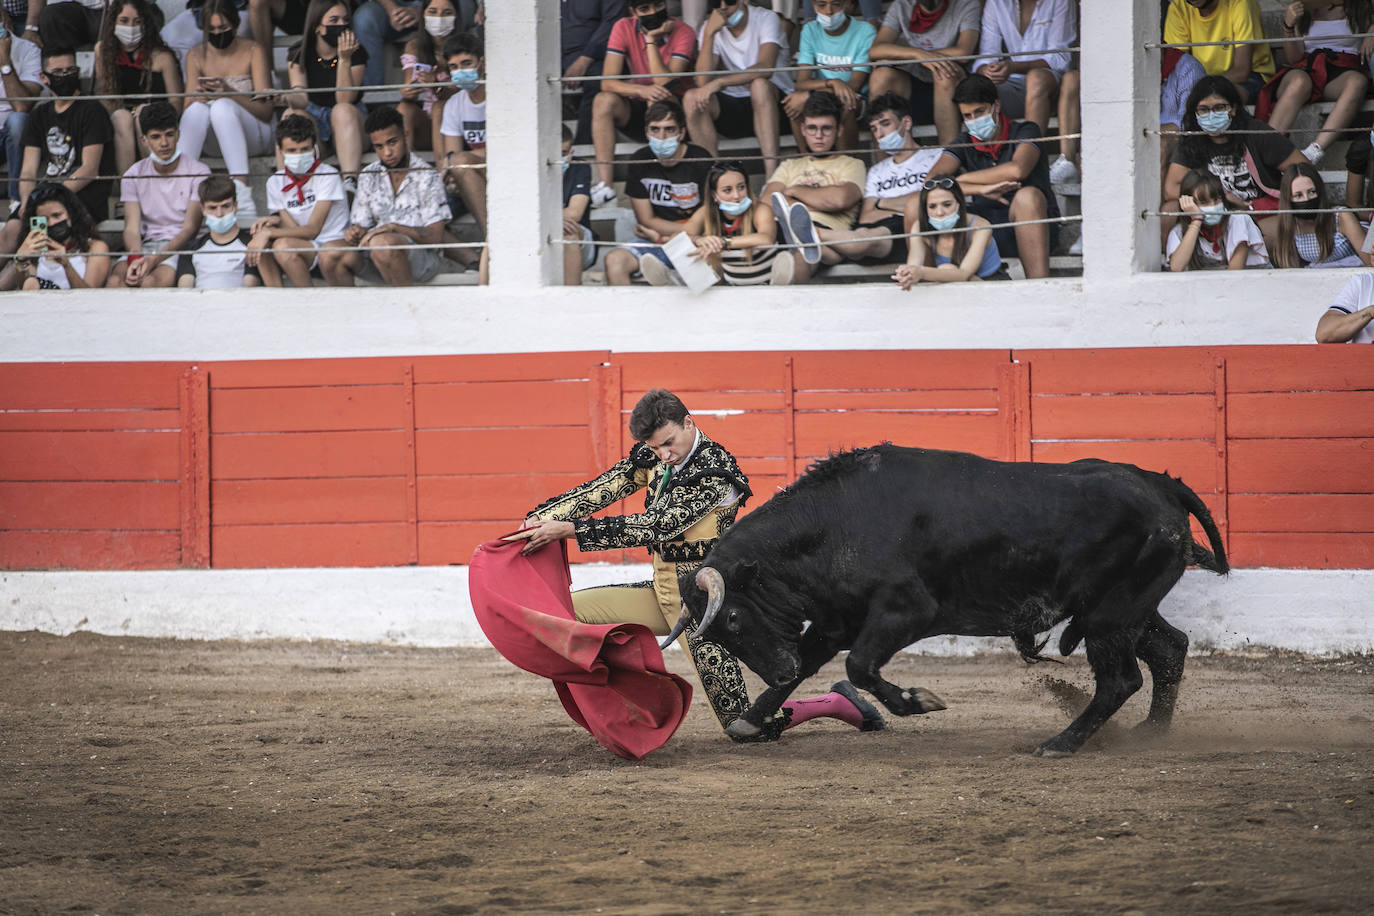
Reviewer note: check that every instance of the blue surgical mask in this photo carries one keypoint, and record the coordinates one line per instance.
(831, 23)
(564, 164)
(982, 128)
(735, 207)
(735, 18)
(222, 224)
(1214, 122)
(944, 223)
(464, 78)
(1371, 138)
(891, 142)
(1212, 213)
(298, 163)
(664, 148)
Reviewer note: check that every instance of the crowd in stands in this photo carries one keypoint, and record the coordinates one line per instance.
(853, 82)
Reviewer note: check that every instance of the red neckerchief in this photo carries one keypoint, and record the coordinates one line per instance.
(1168, 61)
(299, 181)
(122, 59)
(992, 148)
(922, 19)
(1212, 233)
(733, 227)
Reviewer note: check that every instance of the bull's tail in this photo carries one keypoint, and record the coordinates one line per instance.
(1214, 559)
(1029, 649)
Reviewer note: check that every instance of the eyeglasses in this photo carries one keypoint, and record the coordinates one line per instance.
(932, 184)
(1215, 109)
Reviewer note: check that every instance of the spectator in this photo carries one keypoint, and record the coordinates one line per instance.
(132, 61)
(817, 196)
(577, 186)
(1347, 319)
(894, 180)
(840, 44)
(228, 62)
(1329, 64)
(1215, 236)
(648, 47)
(731, 229)
(664, 191)
(750, 40)
(161, 206)
(335, 105)
(21, 70)
(464, 128)
(1004, 174)
(187, 28)
(1025, 30)
(1179, 73)
(69, 24)
(264, 15)
(1247, 66)
(1314, 239)
(66, 253)
(872, 10)
(400, 201)
(309, 209)
(380, 21)
(67, 140)
(931, 31)
(585, 27)
(219, 260)
(949, 255)
(1358, 187)
(423, 105)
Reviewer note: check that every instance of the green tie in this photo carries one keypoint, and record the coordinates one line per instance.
(667, 476)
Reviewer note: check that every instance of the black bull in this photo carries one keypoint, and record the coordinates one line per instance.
(874, 549)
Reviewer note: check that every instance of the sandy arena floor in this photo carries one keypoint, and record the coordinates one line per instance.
(155, 776)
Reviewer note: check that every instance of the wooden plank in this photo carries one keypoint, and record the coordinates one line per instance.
(483, 404)
(818, 434)
(271, 546)
(117, 386)
(304, 373)
(503, 451)
(915, 399)
(1130, 416)
(335, 454)
(477, 367)
(604, 422)
(99, 419)
(1299, 367)
(1299, 550)
(355, 407)
(1013, 412)
(1302, 465)
(1221, 445)
(883, 370)
(509, 367)
(412, 501)
(1307, 512)
(687, 373)
(89, 506)
(704, 404)
(1302, 414)
(1195, 462)
(89, 456)
(195, 468)
(1142, 370)
(325, 500)
(494, 497)
(90, 549)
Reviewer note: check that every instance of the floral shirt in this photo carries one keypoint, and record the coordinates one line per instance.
(420, 202)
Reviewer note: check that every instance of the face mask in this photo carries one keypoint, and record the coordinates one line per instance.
(222, 224)
(1309, 204)
(176, 154)
(944, 223)
(298, 163)
(653, 21)
(564, 165)
(1212, 213)
(439, 26)
(221, 40)
(734, 18)
(129, 35)
(735, 207)
(332, 33)
(664, 148)
(831, 23)
(60, 232)
(982, 128)
(66, 85)
(466, 78)
(892, 142)
(1214, 122)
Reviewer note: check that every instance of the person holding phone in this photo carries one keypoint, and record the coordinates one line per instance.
(330, 62)
(61, 250)
(422, 103)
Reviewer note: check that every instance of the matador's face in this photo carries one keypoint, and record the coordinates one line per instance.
(672, 442)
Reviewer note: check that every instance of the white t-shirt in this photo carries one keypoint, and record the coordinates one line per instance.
(890, 178)
(1357, 293)
(764, 27)
(960, 16)
(217, 266)
(325, 184)
(467, 119)
(26, 58)
(1239, 228)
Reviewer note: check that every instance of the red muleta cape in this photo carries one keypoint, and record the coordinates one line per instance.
(610, 677)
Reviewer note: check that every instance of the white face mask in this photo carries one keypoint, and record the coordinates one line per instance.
(129, 36)
(440, 26)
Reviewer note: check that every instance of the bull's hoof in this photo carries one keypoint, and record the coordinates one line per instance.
(923, 700)
(1043, 751)
(1057, 746)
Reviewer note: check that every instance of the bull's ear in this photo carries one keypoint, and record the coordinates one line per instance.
(744, 574)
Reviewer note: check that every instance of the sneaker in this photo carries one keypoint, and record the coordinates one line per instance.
(1077, 246)
(351, 185)
(654, 271)
(1063, 171)
(804, 232)
(602, 194)
(1314, 153)
(243, 201)
(779, 204)
(783, 269)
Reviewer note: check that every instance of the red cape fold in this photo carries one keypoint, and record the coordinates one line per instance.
(610, 677)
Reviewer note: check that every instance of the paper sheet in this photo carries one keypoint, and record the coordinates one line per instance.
(697, 274)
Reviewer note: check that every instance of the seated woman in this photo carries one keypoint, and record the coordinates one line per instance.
(66, 253)
(732, 227)
(1212, 234)
(228, 62)
(422, 107)
(314, 64)
(1318, 240)
(947, 255)
(132, 61)
(1325, 62)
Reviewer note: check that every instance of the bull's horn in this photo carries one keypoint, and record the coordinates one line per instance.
(682, 620)
(713, 583)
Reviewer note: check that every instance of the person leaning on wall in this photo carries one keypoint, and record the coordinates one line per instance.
(1347, 319)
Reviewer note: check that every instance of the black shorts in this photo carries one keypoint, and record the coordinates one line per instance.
(737, 115)
(999, 215)
(634, 127)
(292, 21)
(895, 224)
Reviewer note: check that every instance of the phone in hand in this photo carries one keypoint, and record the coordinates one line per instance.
(38, 224)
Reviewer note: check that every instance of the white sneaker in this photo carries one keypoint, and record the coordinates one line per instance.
(1063, 171)
(654, 271)
(1077, 246)
(783, 270)
(243, 201)
(1314, 153)
(602, 194)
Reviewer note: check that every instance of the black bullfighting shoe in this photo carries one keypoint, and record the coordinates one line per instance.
(872, 718)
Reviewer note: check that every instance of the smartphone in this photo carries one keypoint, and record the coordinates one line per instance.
(39, 223)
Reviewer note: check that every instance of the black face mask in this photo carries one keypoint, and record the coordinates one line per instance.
(332, 33)
(66, 85)
(653, 20)
(59, 232)
(1311, 203)
(221, 40)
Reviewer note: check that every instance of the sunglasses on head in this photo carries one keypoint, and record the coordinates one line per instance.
(942, 183)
